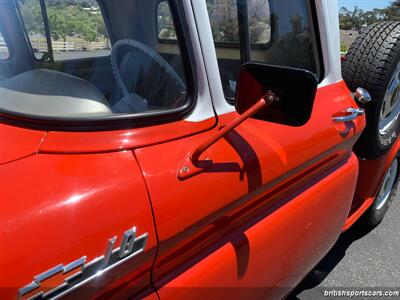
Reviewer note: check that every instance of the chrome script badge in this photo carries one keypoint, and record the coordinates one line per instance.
(61, 280)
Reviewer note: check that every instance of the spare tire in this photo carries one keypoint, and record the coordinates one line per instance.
(373, 63)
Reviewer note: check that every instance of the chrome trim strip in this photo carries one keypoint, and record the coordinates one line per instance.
(143, 237)
(110, 246)
(130, 247)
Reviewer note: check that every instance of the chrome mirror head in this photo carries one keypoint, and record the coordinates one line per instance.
(362, 96)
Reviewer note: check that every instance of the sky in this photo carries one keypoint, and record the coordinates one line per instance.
(364, 4)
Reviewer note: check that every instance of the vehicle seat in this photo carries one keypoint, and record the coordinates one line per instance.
(51, 93)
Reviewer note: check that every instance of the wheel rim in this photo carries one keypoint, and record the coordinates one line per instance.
(390, 110)
(387, 185)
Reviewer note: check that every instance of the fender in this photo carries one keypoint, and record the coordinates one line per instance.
(86, 216)
(372, 172)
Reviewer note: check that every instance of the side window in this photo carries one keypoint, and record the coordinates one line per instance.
(142, 76)
(276, 32)
(32, 19)
(4, 52)
(225, 29)
(294, 43)
(76, 29)
(259, 23)
(224, 19)
(165, 25)
(225, 23)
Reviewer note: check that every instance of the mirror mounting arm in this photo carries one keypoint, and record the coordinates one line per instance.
(192, 164)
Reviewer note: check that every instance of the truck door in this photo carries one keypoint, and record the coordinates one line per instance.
(276, 195)
(269, 208)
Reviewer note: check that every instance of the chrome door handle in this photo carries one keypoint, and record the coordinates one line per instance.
(349, 115)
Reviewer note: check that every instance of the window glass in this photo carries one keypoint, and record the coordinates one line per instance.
(32, 18)
(259, 21)
(141, 76)
(4, 52)
(279, 31)
(225, 24)
(165, 25)
(224, 20)
(76, 28)
(294, 40)
(225, 29)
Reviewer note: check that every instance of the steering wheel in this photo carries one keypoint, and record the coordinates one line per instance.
(132, 100)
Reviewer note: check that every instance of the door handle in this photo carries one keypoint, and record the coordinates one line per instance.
(349, 115)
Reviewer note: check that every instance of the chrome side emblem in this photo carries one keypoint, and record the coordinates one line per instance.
(61, 280)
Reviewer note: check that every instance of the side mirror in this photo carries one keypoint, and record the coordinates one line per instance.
(295, 89)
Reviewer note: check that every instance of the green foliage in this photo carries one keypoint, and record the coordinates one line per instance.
(30, 10)
(357, 18)
(82, 18)
(393, 11)
(344, 48)
(67, 18)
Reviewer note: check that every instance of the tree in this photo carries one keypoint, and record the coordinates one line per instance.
(30, 10)
(67, 18)
(357, 18)
(392, 12)
(62, 25)
(351, 19)
(371, 17)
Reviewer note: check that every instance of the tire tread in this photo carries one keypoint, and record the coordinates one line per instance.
(368, 64)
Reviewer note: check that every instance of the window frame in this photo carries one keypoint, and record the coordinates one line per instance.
(128, 121)
(315, 30)
(49, 47)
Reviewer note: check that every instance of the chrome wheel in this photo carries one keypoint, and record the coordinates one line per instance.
(387, 185)
(390, 110)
